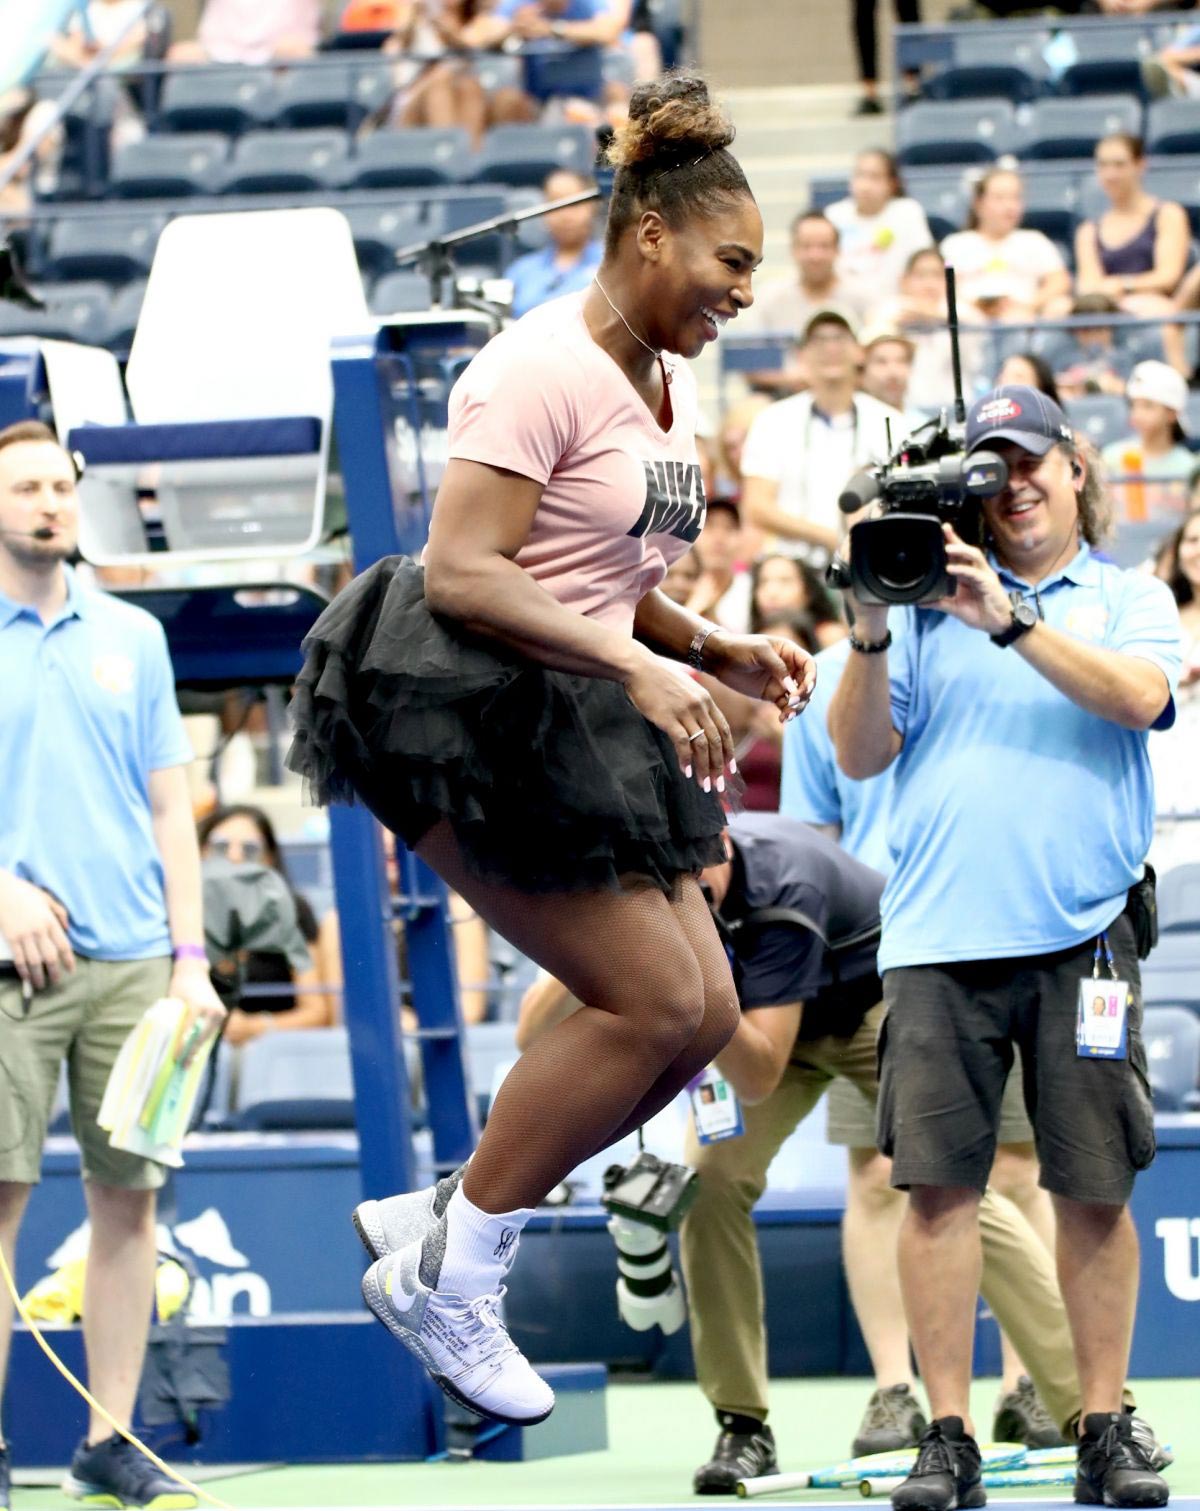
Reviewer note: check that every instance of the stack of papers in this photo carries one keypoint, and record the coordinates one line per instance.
(150, 1096)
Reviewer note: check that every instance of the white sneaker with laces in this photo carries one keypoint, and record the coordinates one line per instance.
(463, 1344)
(393, 1222)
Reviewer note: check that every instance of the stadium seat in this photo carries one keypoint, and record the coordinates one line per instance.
(1173, 126)
(226, 99)
(1179, 900)
(295, 1078)
(1071, 128)
(1105, 63)
(498, 70)
(943, 197)
(823, 192)
(169, 167)
(1192, 412)
(1172, 1039)
(967, 131)
(113, 250)
(1052, 204)
(287, 162)
(239, 433)
(456, 212)
(80, 311)
(526, 154)
(327, 94)
(400, 293)
(1101, 417)
(981, 70)
(1179, 184)
(379, 230)
(1135, 541)
(557, 70)
(123, 315)
(411, 158)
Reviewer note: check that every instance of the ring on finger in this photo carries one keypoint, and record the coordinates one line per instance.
(699, 735)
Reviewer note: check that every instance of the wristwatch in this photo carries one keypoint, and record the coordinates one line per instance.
(1024, 617)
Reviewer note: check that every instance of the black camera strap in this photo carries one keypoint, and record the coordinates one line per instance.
(734, 932)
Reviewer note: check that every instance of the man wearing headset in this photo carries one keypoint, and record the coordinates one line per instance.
(1017, 713)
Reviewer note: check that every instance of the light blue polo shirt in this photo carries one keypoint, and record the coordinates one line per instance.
(535, 278)
(89, 712)
(1018, 820)
(816, 790)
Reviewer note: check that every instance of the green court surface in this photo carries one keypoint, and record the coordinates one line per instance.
(658, 1434)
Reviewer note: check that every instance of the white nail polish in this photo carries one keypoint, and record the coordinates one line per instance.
(687, 771)
(707, 784)
(720, 784)
(733, 765)
(790, 684)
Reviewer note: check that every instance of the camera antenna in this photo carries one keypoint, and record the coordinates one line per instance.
(960, 409)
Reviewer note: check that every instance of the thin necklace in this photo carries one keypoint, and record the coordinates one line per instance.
(654, 352)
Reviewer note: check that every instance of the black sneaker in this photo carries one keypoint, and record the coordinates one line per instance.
(1157, 1455)
(868, 106)
(893, 1420)
(1022, 1418)
(946, 1474)
(114, 1473)
(5, 1478)
(1114, 1468)
(737, 1456)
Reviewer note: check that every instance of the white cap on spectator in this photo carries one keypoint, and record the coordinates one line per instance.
(1161, 385)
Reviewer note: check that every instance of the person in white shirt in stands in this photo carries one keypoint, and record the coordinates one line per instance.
(1010, 273)
(880, 227)
(785, 304)
(801, 451)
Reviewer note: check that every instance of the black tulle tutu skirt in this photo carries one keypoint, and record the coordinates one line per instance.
(552, 782)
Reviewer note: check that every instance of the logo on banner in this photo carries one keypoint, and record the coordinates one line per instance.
(1181, 1255)
(225, 1283)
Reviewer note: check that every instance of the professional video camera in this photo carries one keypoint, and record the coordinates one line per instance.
(900, 556)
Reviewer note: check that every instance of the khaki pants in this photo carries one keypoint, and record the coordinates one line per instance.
(719, 1245)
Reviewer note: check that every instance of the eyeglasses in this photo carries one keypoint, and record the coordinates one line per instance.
(250, 849)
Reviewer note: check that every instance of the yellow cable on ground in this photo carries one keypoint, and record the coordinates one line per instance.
(91, 1400)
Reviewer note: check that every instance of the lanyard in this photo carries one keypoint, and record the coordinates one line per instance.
(1102, 946)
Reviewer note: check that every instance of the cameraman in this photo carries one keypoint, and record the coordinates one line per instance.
(1021, 813)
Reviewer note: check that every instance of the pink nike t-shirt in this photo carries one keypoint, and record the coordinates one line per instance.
(622, 498)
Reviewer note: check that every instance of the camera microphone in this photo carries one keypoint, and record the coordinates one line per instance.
(862, 489)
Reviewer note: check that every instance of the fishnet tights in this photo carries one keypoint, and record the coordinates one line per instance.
(661, 1004)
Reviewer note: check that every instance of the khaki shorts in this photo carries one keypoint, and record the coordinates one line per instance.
(851, 1114)
(84, 1021)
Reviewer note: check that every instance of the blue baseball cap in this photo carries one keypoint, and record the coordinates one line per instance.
(1020, 414)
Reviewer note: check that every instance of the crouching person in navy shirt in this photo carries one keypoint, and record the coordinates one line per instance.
(1017, 715)
(100, 913)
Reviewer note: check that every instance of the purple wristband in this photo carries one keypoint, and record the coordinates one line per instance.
(190, 952)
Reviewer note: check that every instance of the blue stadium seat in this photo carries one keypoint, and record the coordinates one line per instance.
(968, 131)
(456, 212)
(169, 167)
(413, 157)
(400, 293)
(1179, 900)
(943, 197)
(79, 311)
(1180, 184)
(1192, 412)
(1106, 63)
(823, 192)
(113, 250)
(295, 1078)
(287, 162)
(1172, 1039)
(1071, 128)
(379, 230)
(1135, 541)
(1102, 417)
(498, 70)
(1052, 204)
(556, 70)
(338, 94)
(526, 154)
(981, 70)
(123, 315)
(1173, 126)
(225, 99)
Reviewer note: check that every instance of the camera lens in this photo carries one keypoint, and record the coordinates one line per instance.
(902, 559)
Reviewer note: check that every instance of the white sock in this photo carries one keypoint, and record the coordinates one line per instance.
(480, 1246)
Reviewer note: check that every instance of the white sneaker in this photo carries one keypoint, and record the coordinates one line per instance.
(463, 1344)
(393, 1223)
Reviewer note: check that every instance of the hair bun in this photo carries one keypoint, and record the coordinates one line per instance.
(671, 119)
